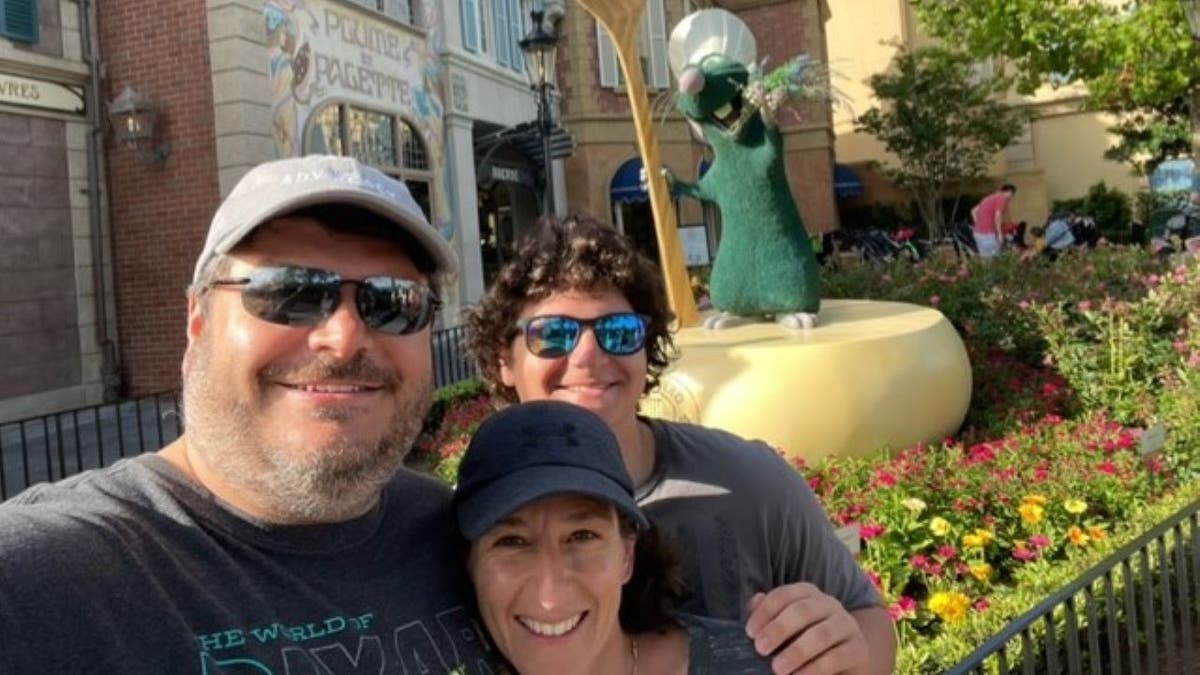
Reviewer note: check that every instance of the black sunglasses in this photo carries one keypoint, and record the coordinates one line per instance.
(554, 336)
(303, 296)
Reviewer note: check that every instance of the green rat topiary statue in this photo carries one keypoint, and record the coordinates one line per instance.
(765, 268)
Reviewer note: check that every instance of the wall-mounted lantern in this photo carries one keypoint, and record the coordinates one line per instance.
(134, 118)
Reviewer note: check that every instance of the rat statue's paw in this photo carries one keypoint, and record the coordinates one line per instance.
(644, 181)
(722, 320)
(797, 321)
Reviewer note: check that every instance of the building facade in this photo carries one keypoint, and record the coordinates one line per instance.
(422, 89)
(57, 344)
(1059, 155)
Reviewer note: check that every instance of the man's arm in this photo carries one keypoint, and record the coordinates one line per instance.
(820, 635)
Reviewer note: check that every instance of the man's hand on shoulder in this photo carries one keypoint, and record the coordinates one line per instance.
(811, 633)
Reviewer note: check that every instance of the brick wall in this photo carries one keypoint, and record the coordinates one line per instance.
(159, 215)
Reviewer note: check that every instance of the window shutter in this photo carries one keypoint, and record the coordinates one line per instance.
(607, 55)
(19, 20)
(660, 73)
(470, 24)
(516, 20)
(500, 23)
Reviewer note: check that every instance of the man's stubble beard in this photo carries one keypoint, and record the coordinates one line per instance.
(292, 482)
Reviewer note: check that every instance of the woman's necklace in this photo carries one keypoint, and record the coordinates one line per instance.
(633, 652)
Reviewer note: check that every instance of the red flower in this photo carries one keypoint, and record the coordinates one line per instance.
(869, 532)
(947, 552)
(1108, 467)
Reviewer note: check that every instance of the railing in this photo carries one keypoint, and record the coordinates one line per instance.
(451, 362)
(58, 445)
(53, 446)
(1146, 619)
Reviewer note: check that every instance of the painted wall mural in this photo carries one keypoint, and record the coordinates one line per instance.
(320, 53)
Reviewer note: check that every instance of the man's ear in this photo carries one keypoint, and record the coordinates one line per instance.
(196, 320)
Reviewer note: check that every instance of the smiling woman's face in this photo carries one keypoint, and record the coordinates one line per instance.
(548, 579)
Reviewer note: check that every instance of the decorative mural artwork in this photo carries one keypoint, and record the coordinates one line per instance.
(321, 52)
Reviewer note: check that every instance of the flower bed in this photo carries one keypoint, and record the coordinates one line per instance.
(1072, 361)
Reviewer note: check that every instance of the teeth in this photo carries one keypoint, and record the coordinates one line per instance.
(331, 388)
(551, 629)
(724, 111)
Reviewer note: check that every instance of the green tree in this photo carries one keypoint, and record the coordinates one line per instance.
(1137, 58)
(944, 125)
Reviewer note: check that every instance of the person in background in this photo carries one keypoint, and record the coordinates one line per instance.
(988, 218)
(570, 577)
(579, 316)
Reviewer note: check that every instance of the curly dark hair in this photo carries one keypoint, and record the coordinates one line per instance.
(575, 253)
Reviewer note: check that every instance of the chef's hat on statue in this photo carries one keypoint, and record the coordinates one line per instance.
(710, 31)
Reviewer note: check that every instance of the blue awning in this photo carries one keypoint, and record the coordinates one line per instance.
(626, 186)
(846, 182)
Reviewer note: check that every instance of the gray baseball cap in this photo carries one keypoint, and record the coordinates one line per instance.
(279, 187)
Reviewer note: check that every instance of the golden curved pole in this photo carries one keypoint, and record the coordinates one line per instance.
(622, 19)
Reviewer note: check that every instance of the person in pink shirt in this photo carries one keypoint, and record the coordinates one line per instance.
(988, 217)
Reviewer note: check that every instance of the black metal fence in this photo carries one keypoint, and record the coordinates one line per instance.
(1137, 611)
(53, 446)
(57, 445)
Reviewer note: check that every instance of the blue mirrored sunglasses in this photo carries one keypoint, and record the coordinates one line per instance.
(554, 336)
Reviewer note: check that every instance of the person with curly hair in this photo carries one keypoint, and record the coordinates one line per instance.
(579, 316)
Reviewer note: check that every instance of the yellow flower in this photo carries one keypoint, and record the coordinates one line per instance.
(1034, 499)
(978, 539)
(1097, 533)
(982, 572)
(1031, 512)
(949, 606)
(1077, 536)
(914, 505)
(1076, 506)
(939, 526)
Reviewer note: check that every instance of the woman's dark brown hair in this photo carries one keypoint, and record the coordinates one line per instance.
(572, 254)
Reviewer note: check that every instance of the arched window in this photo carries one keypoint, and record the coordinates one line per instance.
(383, 140)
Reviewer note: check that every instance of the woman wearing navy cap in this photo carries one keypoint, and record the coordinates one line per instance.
(570, 577)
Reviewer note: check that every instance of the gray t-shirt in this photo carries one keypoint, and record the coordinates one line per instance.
(720, 647)
(746, 521)
(134, 569)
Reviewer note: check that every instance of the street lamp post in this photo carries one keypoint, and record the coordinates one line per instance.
(540, 47)
(1191, 8)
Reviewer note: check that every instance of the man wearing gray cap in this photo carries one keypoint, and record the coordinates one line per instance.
(280, 533)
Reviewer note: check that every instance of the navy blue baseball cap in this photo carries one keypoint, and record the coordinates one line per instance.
(534, 450)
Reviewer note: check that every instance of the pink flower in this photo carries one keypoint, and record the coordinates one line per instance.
(869, 532)
(982, 604)
(919, 562)
(1039, 541)
(904, 608)
(935, 300)
(935, 569)
(1024, 554)
(947, 552)
(1085, 305)
(875, 579)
